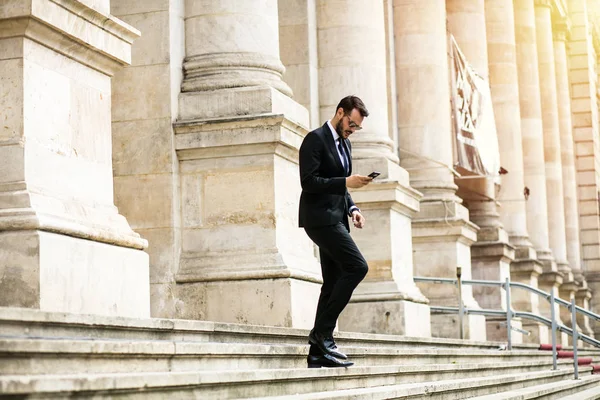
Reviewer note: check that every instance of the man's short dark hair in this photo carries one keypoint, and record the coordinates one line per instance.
(349, 103)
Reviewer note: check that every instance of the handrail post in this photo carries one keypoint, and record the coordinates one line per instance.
(553, 316)
(461, 309)
(575, 337)
(508, 314)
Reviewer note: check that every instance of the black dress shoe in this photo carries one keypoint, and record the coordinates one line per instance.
(326, 361)
(334, 351)
(318, 340)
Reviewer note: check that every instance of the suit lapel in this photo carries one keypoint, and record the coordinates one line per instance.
(331, 145)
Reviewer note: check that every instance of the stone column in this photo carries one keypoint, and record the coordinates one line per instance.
(298, 47)
(551, 278)
(491, 254)
(64, 246)
(571, 280)
(243, 259)
(586, 133)
(426, 143)
(387, 301)
(533, 147)
(500, 24)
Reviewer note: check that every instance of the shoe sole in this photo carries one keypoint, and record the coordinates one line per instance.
(332, 366)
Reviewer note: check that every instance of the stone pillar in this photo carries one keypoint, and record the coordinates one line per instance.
(243, 257)
(387, 301)
(426, 143)
(491, 254)
(533, 146)
(64, 246)
(586, 133)
(145, 166)
(298, 47)
(500, 24)
(569, 175)
(553, 274)
(573, 278)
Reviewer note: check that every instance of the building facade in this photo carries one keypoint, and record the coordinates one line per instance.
(149, 157)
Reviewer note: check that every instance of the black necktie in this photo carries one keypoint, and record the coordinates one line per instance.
(343, 153)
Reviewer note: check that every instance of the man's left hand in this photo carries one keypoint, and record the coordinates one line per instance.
(358, 220)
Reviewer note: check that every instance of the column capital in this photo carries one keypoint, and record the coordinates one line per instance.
(544, 3)
(561, 29)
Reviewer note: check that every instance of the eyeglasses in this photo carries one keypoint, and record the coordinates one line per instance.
(352, 124)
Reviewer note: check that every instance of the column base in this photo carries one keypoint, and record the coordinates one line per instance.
(538, 333)
(53, 272)
(496, 330)
(491, 256)
(387, 316)
(243, 258)
(286, 302)
(447, 326)
(442, 237)
(387, 301)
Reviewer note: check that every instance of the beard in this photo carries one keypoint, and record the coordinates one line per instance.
(340, 131)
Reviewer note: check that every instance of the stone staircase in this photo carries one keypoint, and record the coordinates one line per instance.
(55, 355)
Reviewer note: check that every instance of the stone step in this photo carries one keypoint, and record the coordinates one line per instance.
(26, 322)
(443, 390)
(58, 356)
(381, 382)
(571, 388)
(589, 394)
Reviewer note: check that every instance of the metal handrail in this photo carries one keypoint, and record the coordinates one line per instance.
(518, 314)
(520, 285)
(509, 313)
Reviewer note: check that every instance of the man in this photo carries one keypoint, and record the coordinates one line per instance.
(325, 205)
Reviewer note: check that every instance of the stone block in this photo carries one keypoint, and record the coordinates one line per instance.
(578, 62)
(589, 236)
(292, 12)
(588, 208)
(587, 193)
(583, 134)
(135, 98)
(580, 90)
(581, 76)
(154, 44)
(584, 149)
(12, 167)
(142, 147)
(581, 105)
(586, 177)
(390, 317)
(298, 53)
(127, 7)
(60, 273)
(11, 98)
(163, 303)
(164, 258)
(589, 222)
(590, 251)
(146, 201)
(298, 77)
(240, 102)
(277, 302)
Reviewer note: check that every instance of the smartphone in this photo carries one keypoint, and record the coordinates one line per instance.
(374, 174)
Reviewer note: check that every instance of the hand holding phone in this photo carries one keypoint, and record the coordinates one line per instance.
(374, 175)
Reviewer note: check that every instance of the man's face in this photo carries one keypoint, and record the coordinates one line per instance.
(349, 123)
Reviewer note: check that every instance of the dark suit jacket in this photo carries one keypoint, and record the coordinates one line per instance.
(324, 199)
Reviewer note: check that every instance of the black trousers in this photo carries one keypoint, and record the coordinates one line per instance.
(343, 268)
